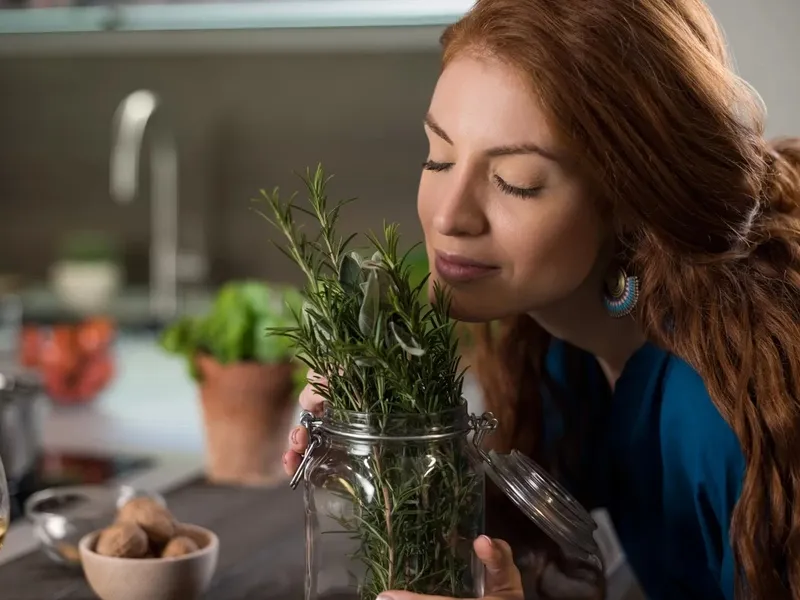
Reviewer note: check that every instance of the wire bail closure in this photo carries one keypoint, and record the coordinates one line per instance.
(313, 427)
(479, 425)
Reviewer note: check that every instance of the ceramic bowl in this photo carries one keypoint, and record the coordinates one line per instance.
(181, 578)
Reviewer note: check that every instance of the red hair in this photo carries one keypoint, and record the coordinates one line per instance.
(705, 211)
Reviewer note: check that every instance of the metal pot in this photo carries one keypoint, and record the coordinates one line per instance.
(20, 432)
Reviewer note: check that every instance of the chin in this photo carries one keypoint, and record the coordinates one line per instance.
(471, 314)
(470, 307)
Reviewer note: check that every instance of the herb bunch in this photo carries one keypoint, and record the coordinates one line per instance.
(362, 324)
(386, 352)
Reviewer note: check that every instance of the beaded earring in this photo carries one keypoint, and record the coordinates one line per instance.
(621, 293)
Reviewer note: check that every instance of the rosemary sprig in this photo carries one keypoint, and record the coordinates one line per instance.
(386, 353)
(362, 325)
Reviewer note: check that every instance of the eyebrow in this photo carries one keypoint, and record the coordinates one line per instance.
(497, 151)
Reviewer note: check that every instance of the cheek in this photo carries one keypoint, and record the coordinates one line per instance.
(426, 198)
(554, 254)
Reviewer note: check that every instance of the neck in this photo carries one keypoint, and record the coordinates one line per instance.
(583, 321)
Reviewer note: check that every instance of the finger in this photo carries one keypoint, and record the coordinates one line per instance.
(298, 439)
(502, 574)
(314, 377)
(291, 462)
(310, 400)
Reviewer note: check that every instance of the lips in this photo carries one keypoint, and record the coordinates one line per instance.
(454, 268)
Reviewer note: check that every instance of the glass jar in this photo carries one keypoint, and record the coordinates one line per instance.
(396, 501)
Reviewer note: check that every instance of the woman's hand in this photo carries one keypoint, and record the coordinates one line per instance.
(298, 438)
(503, 581)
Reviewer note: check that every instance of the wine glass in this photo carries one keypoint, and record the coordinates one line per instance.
(10, 323)
(5, 504)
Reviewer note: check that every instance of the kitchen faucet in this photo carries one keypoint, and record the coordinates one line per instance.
(130, 121)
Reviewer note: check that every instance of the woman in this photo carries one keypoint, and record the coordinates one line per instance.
(598, 181)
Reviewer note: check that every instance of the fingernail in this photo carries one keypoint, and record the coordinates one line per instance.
(488, 540)
(293, 437)
(285, 459)
(384, 597)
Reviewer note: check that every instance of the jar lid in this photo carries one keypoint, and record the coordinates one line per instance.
(548, 505)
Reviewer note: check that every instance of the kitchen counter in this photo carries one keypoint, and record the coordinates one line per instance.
(261, 547)
(151, 404)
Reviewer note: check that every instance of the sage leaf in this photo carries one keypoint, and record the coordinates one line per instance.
(324, 335)
(371, 265)
(349, 273)
(370, 306)
(406, 340)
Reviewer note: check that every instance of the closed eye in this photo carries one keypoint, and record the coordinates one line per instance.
(437, 167)
(519, 192)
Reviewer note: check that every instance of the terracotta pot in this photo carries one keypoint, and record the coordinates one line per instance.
(247, 409)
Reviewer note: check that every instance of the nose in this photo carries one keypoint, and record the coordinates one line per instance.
(459, 212)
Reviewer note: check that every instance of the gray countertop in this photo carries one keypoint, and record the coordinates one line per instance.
(261, 547)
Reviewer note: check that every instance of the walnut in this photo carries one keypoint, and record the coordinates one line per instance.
(124, 540)
(179, 546)
(69, 552)
(156, 521)
(184, 530)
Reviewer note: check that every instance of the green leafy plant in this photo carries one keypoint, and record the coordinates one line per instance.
(236, 329)
(89, 246)
(384, 351)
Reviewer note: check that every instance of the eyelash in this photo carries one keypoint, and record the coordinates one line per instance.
(524, 193)
(438, 167)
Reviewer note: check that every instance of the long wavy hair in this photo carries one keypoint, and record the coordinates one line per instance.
(671, 140)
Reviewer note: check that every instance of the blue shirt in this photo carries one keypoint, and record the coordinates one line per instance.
(665, 465)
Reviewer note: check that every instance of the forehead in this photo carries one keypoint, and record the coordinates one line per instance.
(483, 101)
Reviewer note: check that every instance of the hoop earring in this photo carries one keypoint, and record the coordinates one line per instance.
(621, 293)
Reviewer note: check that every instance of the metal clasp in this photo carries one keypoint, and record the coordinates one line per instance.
(482, 425)
(308, 421)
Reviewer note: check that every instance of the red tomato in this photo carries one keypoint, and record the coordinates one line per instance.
(75, 361)
(30, 344)
(58, 387)
(60, 351)
(95, 375)
(95, 335)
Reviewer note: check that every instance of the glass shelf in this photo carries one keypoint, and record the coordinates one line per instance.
(227, 16)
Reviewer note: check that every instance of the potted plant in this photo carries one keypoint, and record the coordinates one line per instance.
(88, 273)
(247, 378)
(394, 496)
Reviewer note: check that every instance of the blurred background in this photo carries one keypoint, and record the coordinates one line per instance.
(250, 92)
(247, 105)
(218, 100)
